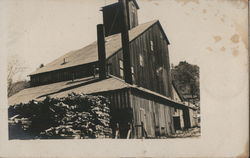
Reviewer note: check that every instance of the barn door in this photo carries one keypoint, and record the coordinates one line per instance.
(177, 124)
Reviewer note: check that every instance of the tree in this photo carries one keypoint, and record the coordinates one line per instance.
(186, 77)
(15, 67)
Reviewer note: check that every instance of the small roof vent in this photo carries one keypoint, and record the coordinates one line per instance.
(64, 61)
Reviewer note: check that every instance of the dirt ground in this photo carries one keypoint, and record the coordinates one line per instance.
(191, 132)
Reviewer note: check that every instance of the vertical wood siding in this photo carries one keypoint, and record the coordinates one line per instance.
(154, 73)
(63, 74)
(119, 98)
(157, 116)
(120, 110)
(193, 118)
(133, 106)
(112, 18)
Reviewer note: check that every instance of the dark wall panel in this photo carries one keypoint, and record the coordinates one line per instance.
(63, 74)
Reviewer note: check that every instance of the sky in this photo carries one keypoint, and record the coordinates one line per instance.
(37, 32)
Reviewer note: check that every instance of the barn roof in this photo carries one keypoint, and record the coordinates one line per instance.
(88, 85)
(89, 53)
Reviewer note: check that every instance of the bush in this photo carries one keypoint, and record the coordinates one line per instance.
(74, 116)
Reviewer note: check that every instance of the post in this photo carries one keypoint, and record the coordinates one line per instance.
(125, 42)
(94, 71)
(128, 16)
(117, 131)
(129, 131)
(101, 51)
(142, 129)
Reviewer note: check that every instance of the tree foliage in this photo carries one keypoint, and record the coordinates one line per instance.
(186, 77)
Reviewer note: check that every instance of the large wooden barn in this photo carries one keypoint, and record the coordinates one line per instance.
(129, 64)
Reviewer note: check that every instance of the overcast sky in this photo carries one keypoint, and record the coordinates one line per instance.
(41, 31)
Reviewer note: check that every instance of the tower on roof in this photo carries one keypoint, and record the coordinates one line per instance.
(112, 17)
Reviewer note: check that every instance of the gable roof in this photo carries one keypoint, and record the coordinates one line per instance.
(89, 53)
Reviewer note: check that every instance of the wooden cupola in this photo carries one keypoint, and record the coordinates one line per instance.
(112, 17)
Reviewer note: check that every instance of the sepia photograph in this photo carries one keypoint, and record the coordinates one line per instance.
(165, 78)
(121, 86)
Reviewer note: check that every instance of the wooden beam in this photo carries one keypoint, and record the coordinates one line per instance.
(125, 43)
(101, 51)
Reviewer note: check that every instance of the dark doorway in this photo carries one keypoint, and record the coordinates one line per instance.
(177, 123)
(120, 121)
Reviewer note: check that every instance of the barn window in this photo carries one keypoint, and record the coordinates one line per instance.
(159, 71)
(133, 73)
(109, 68)
(133, 8)
(141, 60)
(121, 68)
(161, 36)
(152, 45)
